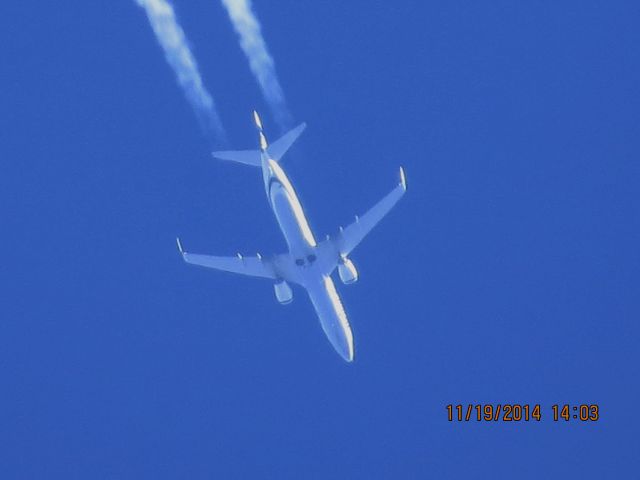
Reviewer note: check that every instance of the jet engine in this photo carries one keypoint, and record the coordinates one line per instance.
(283, 292)
(347, 271)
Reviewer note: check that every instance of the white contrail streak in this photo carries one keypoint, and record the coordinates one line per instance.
(176, 50)
(261, 63)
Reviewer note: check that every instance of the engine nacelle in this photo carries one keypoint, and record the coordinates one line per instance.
(283, 292)
(347, 271)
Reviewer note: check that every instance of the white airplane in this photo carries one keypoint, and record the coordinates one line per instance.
(308, 263)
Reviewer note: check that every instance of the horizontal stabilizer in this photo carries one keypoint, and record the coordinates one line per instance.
(275, 151)
(278, 148)
(248, 157)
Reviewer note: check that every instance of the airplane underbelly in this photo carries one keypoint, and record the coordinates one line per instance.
(333, 318)
(292, 221)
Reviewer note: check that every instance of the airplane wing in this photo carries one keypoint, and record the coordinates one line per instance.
(351, 236)
(250, 266)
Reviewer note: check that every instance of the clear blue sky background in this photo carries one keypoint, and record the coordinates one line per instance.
(508, 273)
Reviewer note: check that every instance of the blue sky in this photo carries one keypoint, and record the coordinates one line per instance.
(508, 273)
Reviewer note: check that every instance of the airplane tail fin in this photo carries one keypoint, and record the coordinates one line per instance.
(274, 151)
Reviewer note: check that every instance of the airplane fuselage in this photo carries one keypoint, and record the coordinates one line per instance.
(302, 245)
(288, 210)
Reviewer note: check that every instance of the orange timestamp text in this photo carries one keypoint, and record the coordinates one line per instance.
(521, 412)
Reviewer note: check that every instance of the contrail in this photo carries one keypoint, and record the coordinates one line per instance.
(176, 50)
(261, 63)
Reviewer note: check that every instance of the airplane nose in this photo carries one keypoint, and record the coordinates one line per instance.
(343, 344)
(347, 353)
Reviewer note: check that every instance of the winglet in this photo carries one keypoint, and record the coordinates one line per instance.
(180, 246)
(403, 179)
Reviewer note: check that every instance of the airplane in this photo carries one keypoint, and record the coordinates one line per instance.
(308, 263)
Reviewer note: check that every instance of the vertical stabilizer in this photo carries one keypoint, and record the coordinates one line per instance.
(263, 140)
(256, 119)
